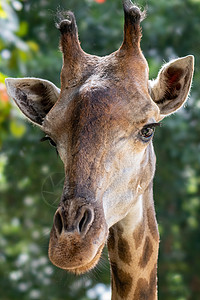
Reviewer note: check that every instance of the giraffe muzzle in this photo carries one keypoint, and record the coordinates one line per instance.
(78, 235)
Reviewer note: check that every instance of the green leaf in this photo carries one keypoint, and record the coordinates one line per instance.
(17, 129)
(23, 29)
(3, 14)
(2, 77)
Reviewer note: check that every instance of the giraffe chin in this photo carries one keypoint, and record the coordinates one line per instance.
(89, 266)
(79, 268)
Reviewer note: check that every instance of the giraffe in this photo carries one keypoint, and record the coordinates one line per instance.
(102, 122)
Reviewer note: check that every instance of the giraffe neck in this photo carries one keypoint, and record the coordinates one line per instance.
(133, 252)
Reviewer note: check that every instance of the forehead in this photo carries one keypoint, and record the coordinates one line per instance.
(113, 90)
(99, 101)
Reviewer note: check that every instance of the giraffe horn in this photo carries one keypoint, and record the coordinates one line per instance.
(69, 41)
(74, 58)
(132, 31)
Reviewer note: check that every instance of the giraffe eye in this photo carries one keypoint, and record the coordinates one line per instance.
(51, 142)
(147, 131)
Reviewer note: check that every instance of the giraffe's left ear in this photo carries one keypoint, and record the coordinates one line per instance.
(35, 97)
(171, 88)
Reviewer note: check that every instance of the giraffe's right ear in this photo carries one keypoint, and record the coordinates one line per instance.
(35, 97)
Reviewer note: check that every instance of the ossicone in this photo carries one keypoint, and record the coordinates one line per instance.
(66, 22)
(69, 41)
(132, 19)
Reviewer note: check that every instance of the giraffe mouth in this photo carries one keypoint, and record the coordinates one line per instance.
(74, 254)
(88, 266)
(73, 249)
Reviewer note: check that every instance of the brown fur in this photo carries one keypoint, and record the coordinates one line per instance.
(153, 227)
(146, 290)
(138, 235)
(124, 251)
(111, 240)
(123, 281)
(99, 108)
(147, 252)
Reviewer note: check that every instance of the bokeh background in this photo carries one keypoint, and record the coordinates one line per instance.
(31, 174)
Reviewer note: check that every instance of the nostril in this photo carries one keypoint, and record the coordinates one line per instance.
(58, 222)
(85, 221)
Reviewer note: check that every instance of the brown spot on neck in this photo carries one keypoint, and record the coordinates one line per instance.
(123, 281)
(141, 292)
(111, 239)
(147, 290)
(146, 254)
(138, 234)
(124, 250)
(144, 291)
(153, 279)
(152, 224)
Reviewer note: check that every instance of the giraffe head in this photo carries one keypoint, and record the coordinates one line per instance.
(102, 122)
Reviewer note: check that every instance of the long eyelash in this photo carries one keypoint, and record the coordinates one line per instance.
(47, 138)
(153, 125)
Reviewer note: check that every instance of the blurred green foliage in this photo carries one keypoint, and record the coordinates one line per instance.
(31, 175)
